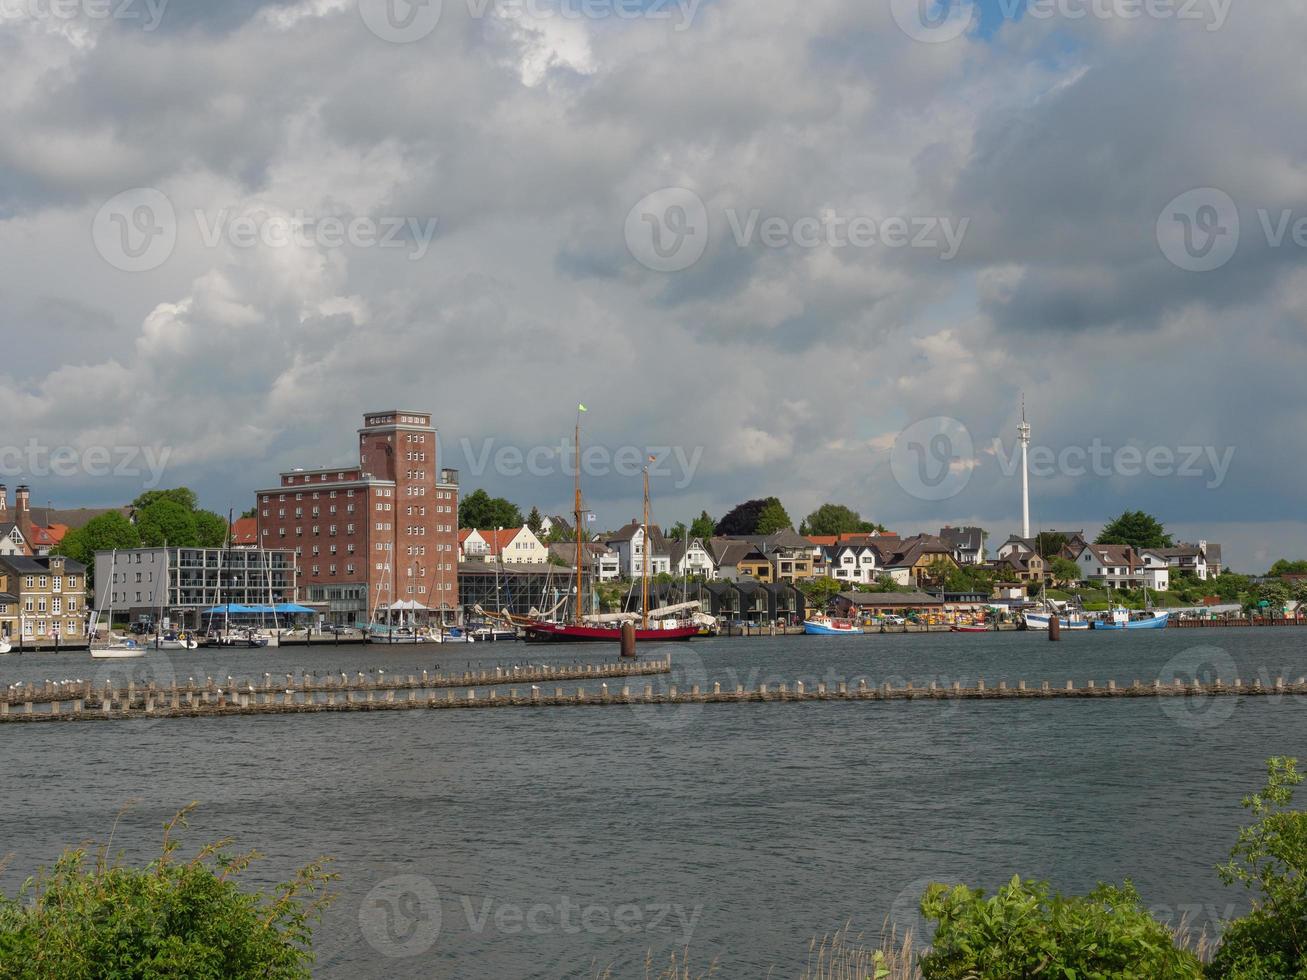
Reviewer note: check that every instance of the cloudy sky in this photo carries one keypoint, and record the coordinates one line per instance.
(816, 250)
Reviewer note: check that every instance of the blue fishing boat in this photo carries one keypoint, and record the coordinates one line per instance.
(1120, 619)
(825, 626)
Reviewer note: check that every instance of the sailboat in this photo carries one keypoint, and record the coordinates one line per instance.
(114, 647)
(605, 627)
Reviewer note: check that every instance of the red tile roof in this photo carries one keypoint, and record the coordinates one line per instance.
(245, 531)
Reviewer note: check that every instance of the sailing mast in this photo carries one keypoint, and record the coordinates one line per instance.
(576, 513)
(644, 583)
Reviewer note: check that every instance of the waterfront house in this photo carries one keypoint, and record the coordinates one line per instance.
(12, 541)
(853, 563)
(1024, 566)
(691, 560)
(629, 543)
(513, 545)
(968, 544)
(917, 557)
(1113, 565)
(1154, 570)
(50, 595)
(727, 554)
(471, 546)
(598, 558)
(781, 557)
(556, 527)
(1202, 560)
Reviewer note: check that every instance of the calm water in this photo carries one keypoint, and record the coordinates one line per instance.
(557, 842)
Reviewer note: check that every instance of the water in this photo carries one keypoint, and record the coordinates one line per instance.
(559, 842)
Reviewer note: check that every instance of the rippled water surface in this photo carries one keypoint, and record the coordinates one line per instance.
(558, 842)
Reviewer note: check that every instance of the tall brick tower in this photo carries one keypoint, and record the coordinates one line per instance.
(381, 532)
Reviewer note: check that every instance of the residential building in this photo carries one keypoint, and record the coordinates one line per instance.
(368, 535)
(555, 526)
(178, 584)
(629, 543)
(968, 544)
(791, 556)
(1120, 566)
(756, 603)
(916, 558)
(859, 563)
(1202, 560)
(471, 546)
(513, 545)
(245, 532)
(599, 559)
(50, 594)
(690, 560)
(1021, 566)
(727, 554)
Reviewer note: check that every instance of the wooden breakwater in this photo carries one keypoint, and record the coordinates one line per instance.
(129, 705)
(94, 696)
(1237, 621)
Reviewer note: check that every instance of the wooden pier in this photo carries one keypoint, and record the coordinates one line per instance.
(381, 694)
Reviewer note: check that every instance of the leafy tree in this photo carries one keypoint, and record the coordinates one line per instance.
(480, 510)
(1286, 567)
(703, 527)
(90, 916)
(211, 529)
(104, 533)
(1024, 931)
(251, 512)
(165, 521)
(1064, 570)
(1137, 529)
(182, 495)
(1270, 860)
(1049, 544)
(743, 519)
(836, 519)
(560, 534)
(677, 531)
(773, 518)
(534, 521)
(1274, 594)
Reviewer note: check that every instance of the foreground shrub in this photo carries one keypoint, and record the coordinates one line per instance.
(1270, 860)
(1024, 931)
(90, 917)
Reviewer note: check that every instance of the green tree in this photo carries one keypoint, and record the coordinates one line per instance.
(1024, 931)
(1274, 594)
(534, 521)
(1064, 570)
(104, 533)
(677, 531)
(91, 916)
(1137, 529)
(211, 529)
(1286, 567)
(836, 519)
(703, 526)
(1270, 861)
(250, 512)
(165, 521)
(773, 518)
(748, 518)
(1049, 544)
(480, 510)
(820, 591)
(181, 495)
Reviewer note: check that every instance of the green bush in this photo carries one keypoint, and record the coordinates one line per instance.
(1270, 860)
(90, 917)
(1023, 931)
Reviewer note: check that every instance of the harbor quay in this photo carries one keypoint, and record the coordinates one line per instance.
(211, 700)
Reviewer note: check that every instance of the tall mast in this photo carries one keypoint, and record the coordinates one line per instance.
(1023, 435)
(644, 579)
(576, 513)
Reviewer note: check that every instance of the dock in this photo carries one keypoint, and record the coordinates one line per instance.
(379, 693)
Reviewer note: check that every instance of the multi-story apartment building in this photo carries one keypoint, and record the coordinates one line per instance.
(49, 594)
(177, 584)
(370, 535)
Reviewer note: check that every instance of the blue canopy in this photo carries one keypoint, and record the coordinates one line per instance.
(230, 608)
(291, 607)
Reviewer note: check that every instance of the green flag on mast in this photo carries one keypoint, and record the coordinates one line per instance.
(582, 408)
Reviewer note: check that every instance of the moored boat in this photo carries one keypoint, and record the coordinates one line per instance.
(1040, 621)
(1119, 618)
(969, 628)
(826, 626)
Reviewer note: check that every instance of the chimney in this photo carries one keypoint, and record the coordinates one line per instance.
(22, 514)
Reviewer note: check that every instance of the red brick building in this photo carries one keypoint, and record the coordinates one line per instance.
(370, 535)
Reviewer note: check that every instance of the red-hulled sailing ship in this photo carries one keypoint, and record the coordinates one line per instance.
(606, 627)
